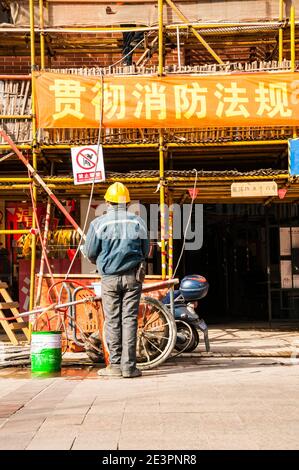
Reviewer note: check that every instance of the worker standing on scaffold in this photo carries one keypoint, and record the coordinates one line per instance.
(117, 243)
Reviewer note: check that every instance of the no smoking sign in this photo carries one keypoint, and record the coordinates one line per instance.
(88, 164)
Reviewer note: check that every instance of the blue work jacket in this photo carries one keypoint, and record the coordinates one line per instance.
(117, 241)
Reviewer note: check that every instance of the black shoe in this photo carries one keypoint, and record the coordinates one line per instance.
(131, 374)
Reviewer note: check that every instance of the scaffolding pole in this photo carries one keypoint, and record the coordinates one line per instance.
(42, 34)
(160, 38)
(292, 37)
(14, 232)
(34, 154)
(170, 234)
(161, 143)
(162, 204)
(280, 32)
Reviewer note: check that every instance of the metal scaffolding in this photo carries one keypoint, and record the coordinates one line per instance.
(171, 188)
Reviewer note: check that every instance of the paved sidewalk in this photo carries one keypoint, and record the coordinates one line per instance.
(188, 403)
(251, 342)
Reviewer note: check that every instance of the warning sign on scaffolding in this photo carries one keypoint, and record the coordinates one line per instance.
(88, 164)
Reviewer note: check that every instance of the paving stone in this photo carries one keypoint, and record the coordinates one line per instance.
(232, 441)
(96, 440)
(31, 424)
(2, 422)
(58, 439)
(11, 441)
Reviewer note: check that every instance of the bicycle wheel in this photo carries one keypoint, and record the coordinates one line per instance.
(156, 334)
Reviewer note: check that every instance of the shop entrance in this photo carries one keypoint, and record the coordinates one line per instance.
(243, 259)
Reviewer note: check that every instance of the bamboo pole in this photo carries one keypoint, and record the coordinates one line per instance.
(42, 34)
(196, 34)
(292, 37)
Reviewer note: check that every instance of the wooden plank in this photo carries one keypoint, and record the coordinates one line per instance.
(8, 305)
(15, 312)
(18, 325)
(6, 326)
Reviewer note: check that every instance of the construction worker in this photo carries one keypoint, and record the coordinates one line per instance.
(117, 243)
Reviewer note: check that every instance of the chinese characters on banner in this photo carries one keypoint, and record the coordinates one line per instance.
(261, 99)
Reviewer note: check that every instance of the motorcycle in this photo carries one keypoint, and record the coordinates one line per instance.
(192, 289)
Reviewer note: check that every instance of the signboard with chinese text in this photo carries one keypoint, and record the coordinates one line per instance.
(176, 101)
(88, 164)
(294, 157)
(254, 189)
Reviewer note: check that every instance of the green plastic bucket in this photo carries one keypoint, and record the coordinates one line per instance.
(46, 351)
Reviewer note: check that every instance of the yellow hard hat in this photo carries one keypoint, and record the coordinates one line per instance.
(117, 193)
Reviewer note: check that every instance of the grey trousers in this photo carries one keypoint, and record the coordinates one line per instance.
(121, 297)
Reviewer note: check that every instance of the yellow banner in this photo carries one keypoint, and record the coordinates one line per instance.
(179, 101)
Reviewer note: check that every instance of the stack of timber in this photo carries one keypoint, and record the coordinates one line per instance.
(12, 356)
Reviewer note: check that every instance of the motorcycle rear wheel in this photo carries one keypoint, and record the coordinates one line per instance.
(189, 335)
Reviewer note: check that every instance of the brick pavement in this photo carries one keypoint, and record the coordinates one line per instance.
(188, 403)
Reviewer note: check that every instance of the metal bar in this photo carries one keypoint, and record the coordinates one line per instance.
(184, 25)
(42, 260)
(170, 234)
(42, 34)
(15, 116)
(68, 146)
(20, 146)
(33, 247)
(56, 306)
(196, 34)
(159, 285)
(292, 37)
(153, 180)
(268, 262)
(178, 47)
(187, 24)
(228, 144)
(34, 156)
(14, 232)
(15, 77)
(97, 29)
(162, 204)
(280, 33)
(160, 38)
(170, 144)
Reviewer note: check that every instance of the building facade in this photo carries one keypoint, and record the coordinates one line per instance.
(250, 239)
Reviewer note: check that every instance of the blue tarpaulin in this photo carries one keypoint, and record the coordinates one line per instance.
(294, 157)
